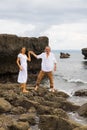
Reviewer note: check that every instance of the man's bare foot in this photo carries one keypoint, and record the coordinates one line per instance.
(53, 90)
(36, 88)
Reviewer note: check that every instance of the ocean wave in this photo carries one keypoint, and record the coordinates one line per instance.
(70, 80)
(76, 81)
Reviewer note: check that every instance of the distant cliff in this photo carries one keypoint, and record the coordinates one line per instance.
(84, 52)
(10, 46)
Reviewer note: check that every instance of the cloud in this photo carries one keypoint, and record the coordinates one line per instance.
(68, 36)
(63, 21)
(12, 27)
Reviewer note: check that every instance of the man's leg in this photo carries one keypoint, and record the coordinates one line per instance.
(39, 78)
(50, 76)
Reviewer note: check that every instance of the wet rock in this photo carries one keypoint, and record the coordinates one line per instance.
(68, 106)
(64, 55)
(1, 128)
(41, 110)
(51, 122)
(19, 125)
(61, 94)
(24, 102)
(81, 128)
(82, 111)
(5, 106)
(28, 107)
(84, 52)
(32, 110)
(58, 95)
(18, 110)
(82, 92)
(30, 117)
(6, 121)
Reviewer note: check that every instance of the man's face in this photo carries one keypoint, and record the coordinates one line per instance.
(47, 50)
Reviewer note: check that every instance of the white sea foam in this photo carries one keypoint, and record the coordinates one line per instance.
(76, 81)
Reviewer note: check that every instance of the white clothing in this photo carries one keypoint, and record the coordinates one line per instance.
(47, 62)
(22, 76)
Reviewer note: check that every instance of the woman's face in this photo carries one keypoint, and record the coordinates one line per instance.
(23, 50)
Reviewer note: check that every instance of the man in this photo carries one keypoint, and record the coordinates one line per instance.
(47, 66)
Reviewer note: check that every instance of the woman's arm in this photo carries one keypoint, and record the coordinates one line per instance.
(31, 52)
(29, 57)
(18, 63)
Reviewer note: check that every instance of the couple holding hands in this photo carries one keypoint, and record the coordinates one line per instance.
(48, 64)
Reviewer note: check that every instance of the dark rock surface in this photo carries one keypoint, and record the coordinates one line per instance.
(35, 110)
(64, 55)
(10, 46)
(50, 122)
(81, 128)
(82, 111)
(82, 92)
(84, 52)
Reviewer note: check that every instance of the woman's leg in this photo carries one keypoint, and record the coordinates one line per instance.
(23, 86)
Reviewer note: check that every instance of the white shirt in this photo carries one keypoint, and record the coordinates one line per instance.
(47, 62)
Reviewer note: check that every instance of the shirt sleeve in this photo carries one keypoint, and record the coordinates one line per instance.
(40, 56)
(19, 56)
(54, 59)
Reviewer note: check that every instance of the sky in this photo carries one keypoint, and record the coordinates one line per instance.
(64, 22)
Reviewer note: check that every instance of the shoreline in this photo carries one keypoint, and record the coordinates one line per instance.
(35, 110)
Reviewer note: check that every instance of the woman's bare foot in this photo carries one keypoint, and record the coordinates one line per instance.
(25, 91)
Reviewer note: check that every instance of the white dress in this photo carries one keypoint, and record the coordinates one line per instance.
(22, 76)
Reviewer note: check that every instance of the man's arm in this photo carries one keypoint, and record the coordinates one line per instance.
(54, 66)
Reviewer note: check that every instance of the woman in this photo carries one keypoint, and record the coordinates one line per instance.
(22, 64)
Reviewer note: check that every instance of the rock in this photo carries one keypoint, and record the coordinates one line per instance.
(68, 106)
(61, 94)
(64, 55)
(24, 102)
(56, 96)
(10, 46)
(41, 110)
(51, 122)
(19, 126)
(28, 117)
(18, 110)
(81, 128)
(5, 121)
(84, 52)
(82, 111)
(26, 108)
(5, 106)
(2, 128)
(82, 92)
(32, 110)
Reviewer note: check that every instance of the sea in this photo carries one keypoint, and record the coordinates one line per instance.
(70, 76)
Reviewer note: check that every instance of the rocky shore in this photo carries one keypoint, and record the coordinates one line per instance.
(35, 110)
(84, 52)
